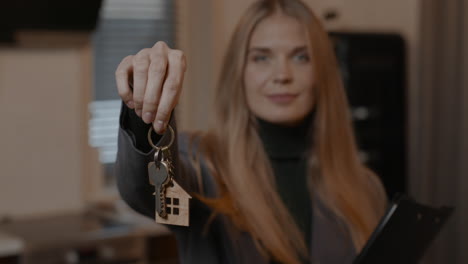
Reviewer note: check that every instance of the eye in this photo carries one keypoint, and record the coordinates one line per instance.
(302, 57)
(260, 58)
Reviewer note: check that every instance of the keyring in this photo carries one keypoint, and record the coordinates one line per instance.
(165, 147)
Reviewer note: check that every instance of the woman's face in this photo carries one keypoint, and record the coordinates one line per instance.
(278, 77)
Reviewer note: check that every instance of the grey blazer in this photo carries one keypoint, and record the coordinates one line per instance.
(213, 243)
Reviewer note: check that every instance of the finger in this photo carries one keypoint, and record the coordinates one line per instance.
(141, 64)
(171, 90)
(122, 79)
(156, 76)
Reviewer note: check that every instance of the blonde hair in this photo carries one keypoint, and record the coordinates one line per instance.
(241, 168)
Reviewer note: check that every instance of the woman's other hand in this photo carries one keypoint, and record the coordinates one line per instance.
(151, 81)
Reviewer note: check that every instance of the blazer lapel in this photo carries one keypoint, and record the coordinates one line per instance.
(331, 241)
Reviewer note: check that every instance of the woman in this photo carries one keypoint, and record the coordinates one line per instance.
(277, 177)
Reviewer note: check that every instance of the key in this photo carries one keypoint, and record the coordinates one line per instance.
(154, 165)
(161, 174)
(159, 177)
(158, 157)
(167, 166)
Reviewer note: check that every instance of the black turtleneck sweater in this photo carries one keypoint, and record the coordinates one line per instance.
(287, 147)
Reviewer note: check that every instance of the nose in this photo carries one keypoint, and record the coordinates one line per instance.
(283, 74)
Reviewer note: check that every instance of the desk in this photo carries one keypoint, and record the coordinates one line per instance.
(87, 238)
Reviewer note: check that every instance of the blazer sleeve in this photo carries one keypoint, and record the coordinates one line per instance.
(133, 155)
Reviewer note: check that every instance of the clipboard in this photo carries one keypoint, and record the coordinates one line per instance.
(404, 233)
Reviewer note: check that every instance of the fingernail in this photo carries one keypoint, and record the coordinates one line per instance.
(159, 127)
(148, 117)
(130, 104)
(138, 112)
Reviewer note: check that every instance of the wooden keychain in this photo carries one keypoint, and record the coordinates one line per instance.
(171, 200)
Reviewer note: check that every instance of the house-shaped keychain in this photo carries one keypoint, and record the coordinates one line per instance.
(177, 206)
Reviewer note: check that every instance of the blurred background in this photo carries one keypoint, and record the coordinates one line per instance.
(404, 65)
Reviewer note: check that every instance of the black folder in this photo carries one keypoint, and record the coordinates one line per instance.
(404, 233)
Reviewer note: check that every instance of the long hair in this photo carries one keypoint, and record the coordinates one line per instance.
(236, 158)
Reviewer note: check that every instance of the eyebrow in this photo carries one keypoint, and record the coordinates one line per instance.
(268, 50)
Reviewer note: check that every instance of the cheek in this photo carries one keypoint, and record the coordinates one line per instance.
(308, 81)
(306, 75)
(254, 81)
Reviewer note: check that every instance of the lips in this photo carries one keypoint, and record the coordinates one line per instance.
(284, 98)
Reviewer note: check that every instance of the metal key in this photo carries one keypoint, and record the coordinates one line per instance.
(155, 165)
(159, 177)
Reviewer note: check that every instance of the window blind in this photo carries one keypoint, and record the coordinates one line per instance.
(124, 28)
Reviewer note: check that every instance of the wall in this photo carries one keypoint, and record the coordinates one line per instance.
(195, 37)
(43, 110)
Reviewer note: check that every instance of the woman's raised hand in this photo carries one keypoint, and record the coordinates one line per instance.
(151, 81)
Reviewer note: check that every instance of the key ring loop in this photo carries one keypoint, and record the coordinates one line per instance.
(157, 157)
(164, 147)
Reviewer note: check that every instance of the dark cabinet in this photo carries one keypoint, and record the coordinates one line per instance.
(374, 74)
